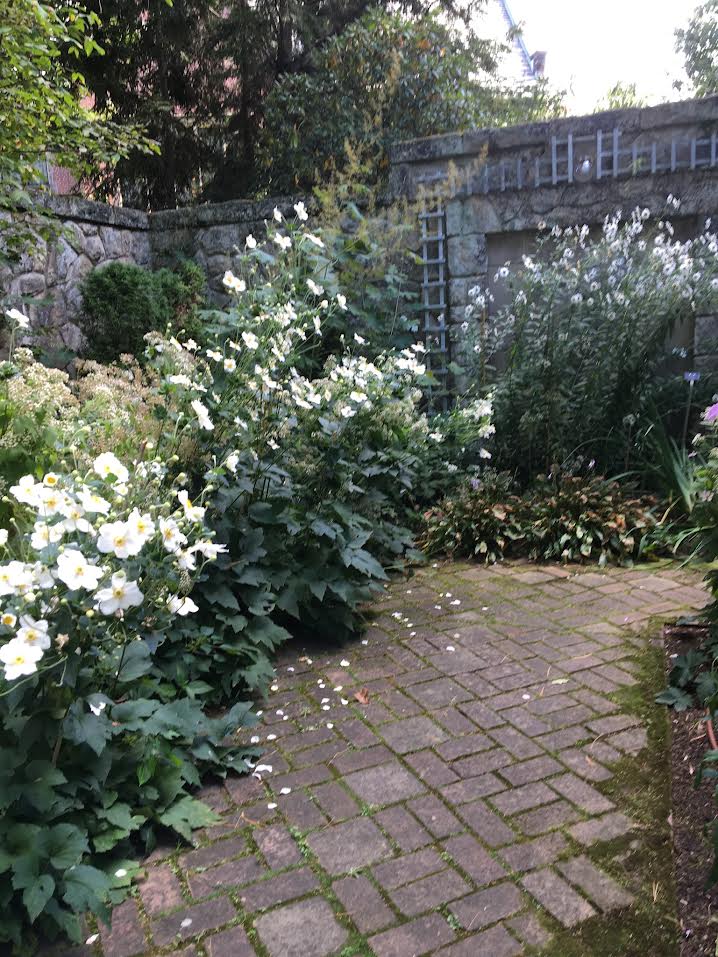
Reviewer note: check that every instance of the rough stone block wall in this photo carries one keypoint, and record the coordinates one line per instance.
(46, 284)
(212, 235)
(483, 229)
(487, 226)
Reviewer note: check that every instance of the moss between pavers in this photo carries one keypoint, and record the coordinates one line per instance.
(643, 860)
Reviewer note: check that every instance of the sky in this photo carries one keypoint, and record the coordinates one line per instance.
(590, 46)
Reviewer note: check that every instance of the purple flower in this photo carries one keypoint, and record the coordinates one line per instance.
(475, 483)
(692, 376)
(711, 413)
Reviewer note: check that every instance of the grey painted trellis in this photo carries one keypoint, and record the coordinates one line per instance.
(434, 299)
(597, 156)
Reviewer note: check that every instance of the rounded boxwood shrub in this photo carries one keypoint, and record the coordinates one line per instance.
(122, 302)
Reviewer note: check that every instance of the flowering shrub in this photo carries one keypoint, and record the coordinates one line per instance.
(96, 749)
(315, 477)
(303, 447)
(589, 322)
(564, 517)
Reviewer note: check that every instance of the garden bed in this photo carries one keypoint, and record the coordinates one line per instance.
(692, 815)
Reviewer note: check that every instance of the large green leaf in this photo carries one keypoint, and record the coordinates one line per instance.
(37, 895)
(86, 888)
(65, 845)
(188, 814)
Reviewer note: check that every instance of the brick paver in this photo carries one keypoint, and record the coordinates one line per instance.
(455, 812)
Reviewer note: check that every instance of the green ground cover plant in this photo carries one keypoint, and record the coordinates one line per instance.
(560, 517)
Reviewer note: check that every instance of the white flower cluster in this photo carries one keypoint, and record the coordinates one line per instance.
(90, 542)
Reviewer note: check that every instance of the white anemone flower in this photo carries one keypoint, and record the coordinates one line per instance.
(210, 550)
(75, 520)
(8, 620)
(284, 242)
(277, 215)
(233, 283)
(250, 340)
(3, 536)
(44, 535)
(92, 502)
(117, 537)
(108, 464)
(42, 577)
(315, 239)
(27, 491)
(192, 512)
(140, 526)
(16, 578)
(19, 318)
(19, 658)
(76, 572)
(33, 632)
(301, 210)
(202, 413)
(315, 288)
(181, 606)
(341, 301)
(250, 242)
(52, 501)
(172, 537)
(119, 595)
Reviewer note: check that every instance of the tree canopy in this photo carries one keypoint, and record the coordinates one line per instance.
(254, 95)
(386, 78)
(698, 43)
(43, 111)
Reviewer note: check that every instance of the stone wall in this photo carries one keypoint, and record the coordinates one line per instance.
(212, 235)
(46, 284)
(487, 220)
(486, 225)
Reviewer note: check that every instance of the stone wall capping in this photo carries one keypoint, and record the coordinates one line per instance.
(233, 212)
(80, 210)
(633, 120)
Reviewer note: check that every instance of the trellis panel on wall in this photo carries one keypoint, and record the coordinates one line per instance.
(434, 299)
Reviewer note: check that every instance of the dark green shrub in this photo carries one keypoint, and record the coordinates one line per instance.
(122, 302)
(565, 517)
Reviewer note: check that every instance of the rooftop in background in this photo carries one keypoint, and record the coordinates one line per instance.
(592, 48)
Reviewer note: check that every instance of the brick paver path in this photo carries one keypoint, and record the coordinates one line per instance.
(450, 814)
